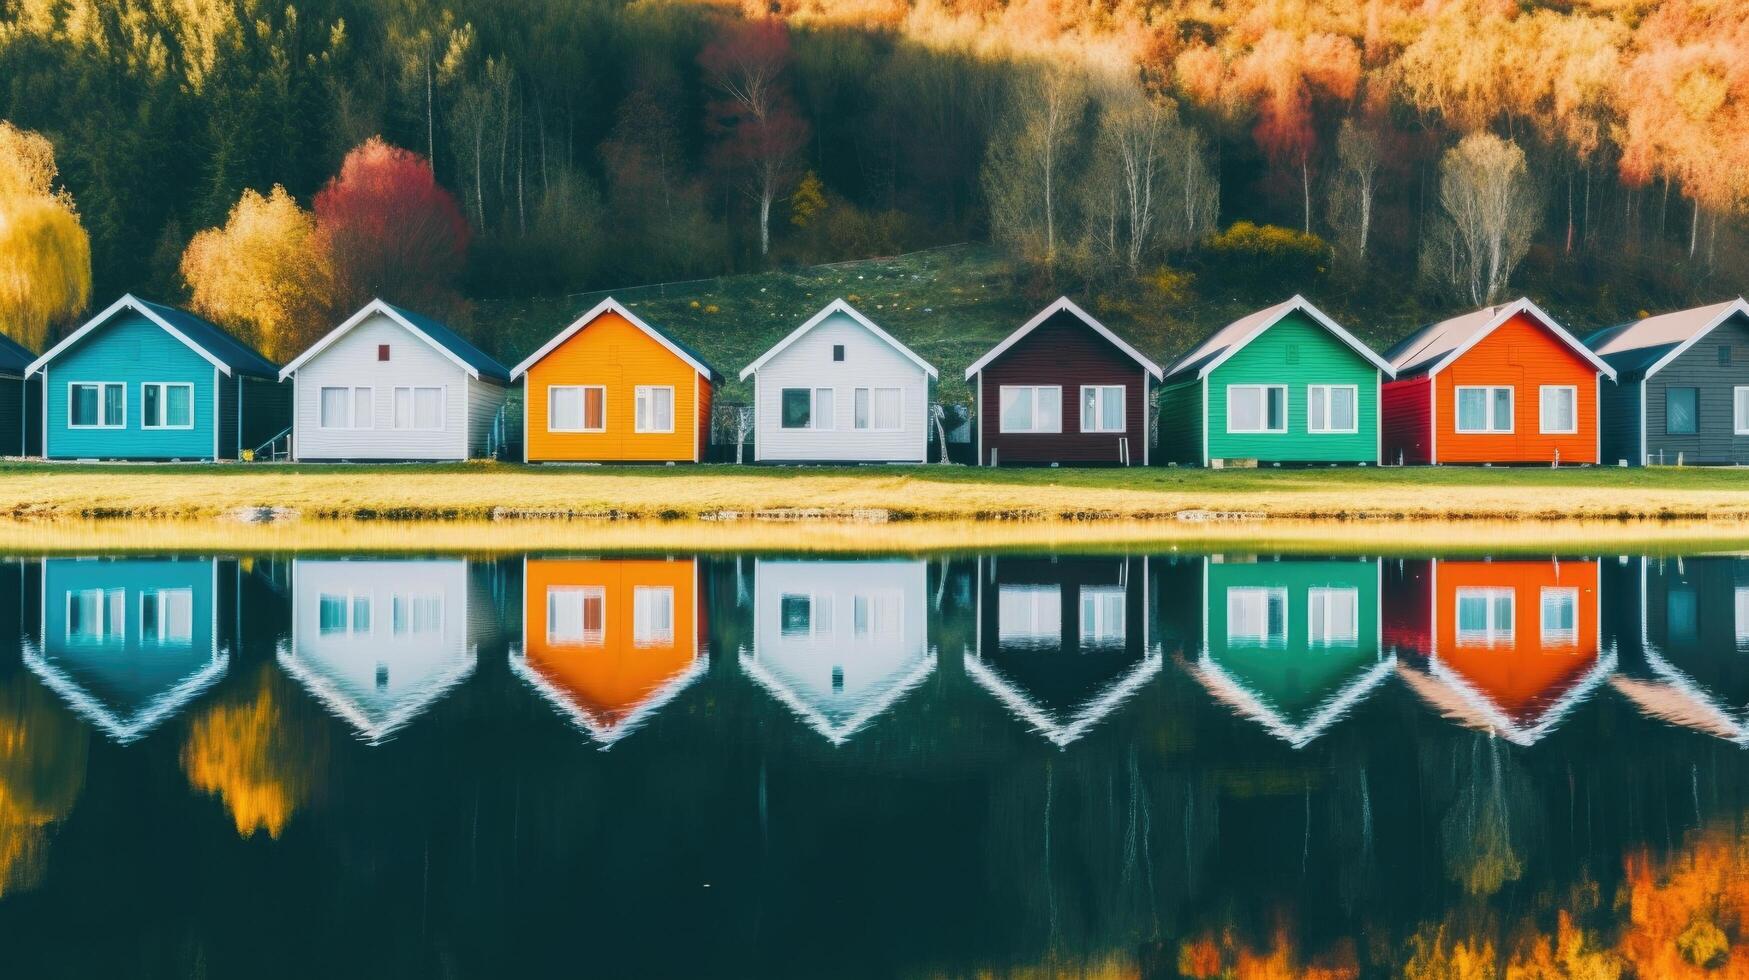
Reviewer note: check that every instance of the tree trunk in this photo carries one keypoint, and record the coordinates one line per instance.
(430, 118)
(1694, 230)
(1306, 190)
(765, 221)
(1569, 212)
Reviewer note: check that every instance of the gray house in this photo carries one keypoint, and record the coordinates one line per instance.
(1682, 387)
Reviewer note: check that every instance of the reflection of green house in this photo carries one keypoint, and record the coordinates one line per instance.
(1292, 645)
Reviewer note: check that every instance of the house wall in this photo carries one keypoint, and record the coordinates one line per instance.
(1699, 367)
(1525, 355)
(230, 410)
(869, 362)
(11, 416)
(1618, 420)
(130, 349)
(1180, 408)
(1521, 676)
(1296, 352)
(613, 352)
(352, 361)
(1694, 623)
(485, 398)
(1407, 428)
(1062, 351)
(267, 410)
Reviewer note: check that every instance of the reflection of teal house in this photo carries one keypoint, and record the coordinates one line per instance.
(126, 643)
(144, 381)
(1293, 645)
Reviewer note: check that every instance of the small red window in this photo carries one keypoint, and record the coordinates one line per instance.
(382, 352)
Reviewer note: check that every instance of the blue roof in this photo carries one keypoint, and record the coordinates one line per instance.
(228, 350)
(14, 356)
(456, 344)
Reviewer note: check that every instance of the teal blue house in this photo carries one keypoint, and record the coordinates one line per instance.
(151, 382)
(1284, 385)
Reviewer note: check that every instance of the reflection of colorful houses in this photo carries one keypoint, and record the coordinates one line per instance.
(839, 642)
(610, 641)
(128, 642)
(377, 642)
(1293, 645)
(1062, 641)
(1507, 646)
(1693, 632)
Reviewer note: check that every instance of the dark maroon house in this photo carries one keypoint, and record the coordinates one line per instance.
(1063, 389)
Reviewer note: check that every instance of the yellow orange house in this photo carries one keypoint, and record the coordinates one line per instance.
(609, 641)
(612, 388)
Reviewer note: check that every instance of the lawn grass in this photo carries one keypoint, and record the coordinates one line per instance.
(926, 493)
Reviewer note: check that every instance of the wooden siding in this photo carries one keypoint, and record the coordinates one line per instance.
(1699, 368)
(130, 349)
(352, 361)
(485, 398)
(869, 362)
(1618, 409)
(1180, 424)
(614, 353)
(1523, 354)
(1298, 353)
(11, 416)
(1407, 429)
(1062, 351)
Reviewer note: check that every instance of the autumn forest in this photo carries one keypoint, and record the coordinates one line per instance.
(273, 164)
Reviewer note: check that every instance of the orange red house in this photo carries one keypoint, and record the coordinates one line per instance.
(1503, 384)
(609, 641)
(612, 388)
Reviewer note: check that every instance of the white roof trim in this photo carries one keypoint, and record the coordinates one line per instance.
(1301, 304)
(151, 714)
(608, 305)
(839, 306)
(375, 306)
(1500, 722)
(837, 732)
(1331, 710)
(128, 301)
(1507, 312)
(1063, 304)
(606, 734)
(1737, 306)
(404, 711)
(1062, 732)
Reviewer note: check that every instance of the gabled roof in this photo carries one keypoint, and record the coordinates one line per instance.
(1642, 348)
(1454, 694)
(1432, 348)
(838, 306)
(1063, 305)
(217, 347)
(605, 727)
(1233, 691)
(15, 358)
(1232, 338)
(610, 305)
(1060, 729)
(837, 726)
(437, 336)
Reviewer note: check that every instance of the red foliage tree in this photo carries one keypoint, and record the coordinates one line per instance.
(391, 231)
(760, 132)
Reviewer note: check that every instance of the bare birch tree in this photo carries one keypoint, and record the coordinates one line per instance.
(1027, 163)
(1358, 155)
(1491, 209)
(1149, 185)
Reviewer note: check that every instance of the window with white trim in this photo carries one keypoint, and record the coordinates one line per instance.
(343, 612)
(1102, 408)
(96, 616)
(1740, 410)
(1332, 409)
(1558, 409)
(653, 616)
(1560, 617)
(166, 405)
(1333, 617)
(576, 408)
(97, 405)
(1030, 616)
(576, 615)
(878, 409)
(347, 408)
(1257, 617)
(805, 408)
(1103, 616)
(1256, 408)
(167, 617)
(1484, 616)
(804, 615)
(419, 408)
(1030, 408)
(654, 408)
(1484, 409)
(416, 614)
(877, 615)
(1740, 606)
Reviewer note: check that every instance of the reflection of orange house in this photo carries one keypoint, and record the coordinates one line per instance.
(609, 641)
(1512, 645)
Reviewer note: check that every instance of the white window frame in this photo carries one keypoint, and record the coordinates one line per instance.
(1099, 407)
(877, 616)
(813, 409)
(163, 403)
(1558, 637)
(1319, 602)
(102, 414)
(1740, 410)
(871, 393)
(1262, 394)
(1024, 614)
(1740, 613)
(413, 409)
(1457, 416)
(115, 627)
(1354, 392)
(818, 625)
(644, 632)
(1491, 634)
(158, 596)
(352, 392)
(1270, 595)
(641, 392)
(585, 637)
(1542, 419)
(1097, 628)
(1002, 424)
(583, 393)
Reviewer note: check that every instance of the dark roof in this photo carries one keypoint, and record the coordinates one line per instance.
(1631, 365)
(14, 356)
(692, 352)
(233, 353)
(456, 344)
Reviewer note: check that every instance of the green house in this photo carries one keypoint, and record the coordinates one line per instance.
(1292, 645)
(1283, 385)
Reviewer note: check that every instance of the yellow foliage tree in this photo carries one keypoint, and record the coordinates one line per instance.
(42, 772)
(45, 255)
(264, 274)
(242, 753)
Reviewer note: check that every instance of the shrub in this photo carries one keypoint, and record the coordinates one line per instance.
(1268, 255)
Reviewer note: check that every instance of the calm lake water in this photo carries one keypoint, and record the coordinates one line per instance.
(1040, 764)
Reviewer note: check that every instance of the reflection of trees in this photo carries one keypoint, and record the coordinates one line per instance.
(1687, 914)
(1481, 830)
(252, 756)
(1228, 956)
(42, 772)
